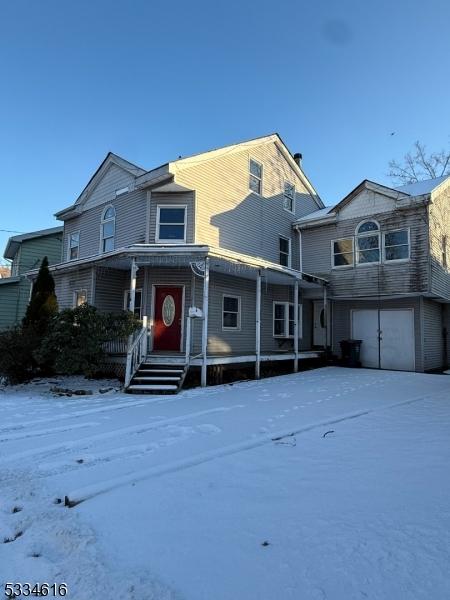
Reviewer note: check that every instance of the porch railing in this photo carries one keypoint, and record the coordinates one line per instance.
(137, 350)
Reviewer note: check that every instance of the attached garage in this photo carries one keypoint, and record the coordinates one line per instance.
(388, 337)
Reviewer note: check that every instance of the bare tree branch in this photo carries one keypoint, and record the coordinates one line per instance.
(418, 165)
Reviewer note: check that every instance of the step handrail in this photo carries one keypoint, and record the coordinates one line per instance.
(137, 350)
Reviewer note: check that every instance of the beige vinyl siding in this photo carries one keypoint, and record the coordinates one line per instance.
(182, 199)
(439, 226)
(433, 341)
(68, 283)
(341, 328)
(130, 224)
(230, 216)
(115, 178)
(373, 279)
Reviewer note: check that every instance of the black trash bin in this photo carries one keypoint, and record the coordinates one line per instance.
(351, 350)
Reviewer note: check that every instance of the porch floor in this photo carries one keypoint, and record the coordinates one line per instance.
(228, 358)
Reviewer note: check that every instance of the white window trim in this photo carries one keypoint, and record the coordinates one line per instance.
(368, 234)
(286, 320)
(288, 239)
(333, 253)
(121, 191)
(292, 212)
(68, 245)
(125, 304)
(75, 294)
(397, 260)
(238, 298)
(250, 174)
(102, 222)
(158, 210)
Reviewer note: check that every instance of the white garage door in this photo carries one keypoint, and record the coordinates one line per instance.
(388, 338)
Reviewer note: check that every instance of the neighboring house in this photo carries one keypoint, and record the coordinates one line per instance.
(386, 254)
(26, 252)
(204, 251)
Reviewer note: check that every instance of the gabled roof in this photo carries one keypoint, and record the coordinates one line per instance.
(422, 187)
(14, 242)
(110, 159)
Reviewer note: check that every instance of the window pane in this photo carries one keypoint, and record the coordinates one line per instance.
(279, 311)
(74, 239)
(288, 203)
(284, 245)
(368, 226)
(230, 304)
(343, 246)
(108, 229)
(171, 215)
(395, 238)
(108, 244)
(171, 232)
(74, 253)
(289, 190)
(291, 312)
(278, 327)
(368, 242)
(397, 252)
(284, 259)
(255, 169)
(291, 327)
(109, 214)
(230, 320)
(255, 184)
(369, 256)
(341, 260)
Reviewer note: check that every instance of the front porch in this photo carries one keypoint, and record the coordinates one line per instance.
(204, 307)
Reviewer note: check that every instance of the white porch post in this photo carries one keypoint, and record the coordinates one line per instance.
(134, 270)
(205, 323)
(296, 328)
(258, 326)
(325, 313)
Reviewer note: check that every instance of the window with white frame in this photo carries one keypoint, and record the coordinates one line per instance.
(368, 242)
(108, 229)
(289, 197)
(137, 302)
(255, 176)
(121, 191)
(396, 245)
(283, 320)
(342, 253)
(79, 298)
(74, 245)
(285, 251)
(231, 312)
(171, 224)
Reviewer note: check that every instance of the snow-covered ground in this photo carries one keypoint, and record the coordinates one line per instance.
(329, 484)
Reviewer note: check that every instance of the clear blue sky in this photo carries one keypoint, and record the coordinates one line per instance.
(151, 81)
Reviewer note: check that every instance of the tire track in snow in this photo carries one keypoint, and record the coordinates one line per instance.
(40, 432)
(88, 440)
(90, 491)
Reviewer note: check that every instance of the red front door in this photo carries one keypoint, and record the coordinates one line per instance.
(168, 315)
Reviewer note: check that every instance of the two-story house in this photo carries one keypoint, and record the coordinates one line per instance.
(203, 250)
(386, 254)
(26, 252)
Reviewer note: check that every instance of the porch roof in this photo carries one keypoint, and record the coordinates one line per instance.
(176, 255)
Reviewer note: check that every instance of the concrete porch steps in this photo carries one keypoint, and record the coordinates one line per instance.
(157, 378)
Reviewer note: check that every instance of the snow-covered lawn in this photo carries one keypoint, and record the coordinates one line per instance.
(329, 484)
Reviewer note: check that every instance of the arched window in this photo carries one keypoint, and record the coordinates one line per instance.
(368, 242)
(108, 229)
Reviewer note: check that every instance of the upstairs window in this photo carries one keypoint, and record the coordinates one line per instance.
(171, 224)
(285, 251)
(289, 197)
(342, 253)
(396, 245)
(74, 245)
(368, 242)
(255, 177)
(231, 312)
(108, 229)
(79, 298)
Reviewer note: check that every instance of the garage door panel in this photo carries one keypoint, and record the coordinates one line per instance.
(397, 340)
(365, 328)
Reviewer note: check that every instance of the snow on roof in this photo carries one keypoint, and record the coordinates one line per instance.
(318, 214)
(421, 187)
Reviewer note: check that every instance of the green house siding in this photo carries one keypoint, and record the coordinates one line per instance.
(15, 294)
